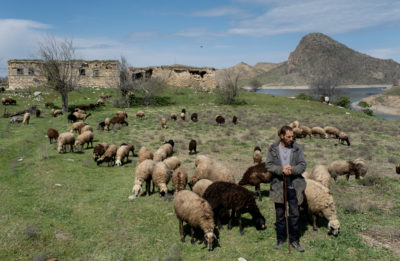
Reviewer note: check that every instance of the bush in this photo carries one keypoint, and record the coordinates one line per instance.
(343, 102)
(255, 85)
(304, 96)
(364, 104)
(369, 112)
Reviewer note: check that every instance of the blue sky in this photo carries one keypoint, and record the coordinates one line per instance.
(219, 34)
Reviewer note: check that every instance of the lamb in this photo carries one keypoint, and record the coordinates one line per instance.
(257, 156)
(81, 116)
(84, 138)
(342, 167)
(343, 137)
(294, 124)
(123, 152)
(76, 126)
(140, 115)
(219, 119)
(192, 147)
(27, 116)
(223, 196)
(255, 175)
(332, 131)
(306, 131)
(162, 173)
(173, 116)
(163, 152)
(52, 134)
(108, 156)
(201, 186)
(144, 154)
(55, 113)
(320, 174)
(234, 120)
(85, 128)
(197, 212)
(319, 201)
(163, 123)
(118, 120)
(182, 116)
(179, 179)
(210, 169)
(194, 117)
(99, 150)
(143, 173)
(64, 139)
(319, 131)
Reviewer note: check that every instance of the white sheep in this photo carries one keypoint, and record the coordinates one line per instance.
(163, 123)
(76, 126)
(332, 131)
(85, 128)
(84, 138)
(144, 154)
(109, 155)
(320, 174)
(319, 131)
(64, 139)
(201, 186)
(162, 173)
(27, 116)
(123, 152)
(179, 179)
(294, 124)
(163, 152)
(342, 167)
(143, 173)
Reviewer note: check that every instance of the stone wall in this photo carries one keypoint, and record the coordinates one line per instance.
(27, 73)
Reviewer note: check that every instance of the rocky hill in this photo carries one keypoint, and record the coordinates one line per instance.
(247, 71)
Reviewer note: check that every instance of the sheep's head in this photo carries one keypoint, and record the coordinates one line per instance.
(209, 238)
(361, 167)
(259, 222)
(137, 190)
(163, 190)
(334, 227)
(118, 162)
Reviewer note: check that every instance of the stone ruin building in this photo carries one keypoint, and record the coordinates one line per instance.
(27, 73)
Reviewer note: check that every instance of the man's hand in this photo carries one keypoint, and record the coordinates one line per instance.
(287, 170)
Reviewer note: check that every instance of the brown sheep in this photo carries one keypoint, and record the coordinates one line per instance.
(255, 175)
(49, 104)
(342, 167)
(118, 120)
(99, 150)
(319, 131)
(192, 147)
(163, 123)
(257, 156)
(55, 113)
(179, 179)
(122, 114)
(194, 117)
(306, 131)
(81, 116)
(52, 134)
(144, 154)
(343, 137)
(332, 131)
(76, 126)
(398, 169)
(219, 119)
(234, 120)
(140, 115)
(173, 116)
(108, 156)
(298, 133)
(37, 113)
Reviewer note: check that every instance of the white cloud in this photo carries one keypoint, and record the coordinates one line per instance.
(198, 33)
(222, 11)
(383, 53)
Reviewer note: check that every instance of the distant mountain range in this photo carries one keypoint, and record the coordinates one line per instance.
(317, 55)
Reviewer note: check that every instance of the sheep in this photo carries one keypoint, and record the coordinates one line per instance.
(16, 119)
(342, 167)
(72, 118)
(55, 113)
(234, 119)
(52, 134)
(140, 115)
(78, 110)
(319, 201)
(84, 138)
(3, 101)
(109, 155)
(194, 117)
(76, 126)
(100, 101)
(223, 196)
(122, 114)
(192, 147)
(103, 96)
(201, 186)
(123, 152)
(332, 131)
(179, 179)
(182, 116)
(219, 119)
(255, 175)
(162, 173)
(37, 113)
(143, 173)
(398, 169)
(99, 150)
(64, 139)
(49, 104)
(118, 120)
(319, 131)
(320, 174)
(294, 124)
(104, 125)
(197, 212)
(85, 128)
(210, 169)
(2, 89)
(343, 137)
(27, 116)
(257, 156)
(183, 110)
(81, 116)
(306, 131)
(8, 101)
(298, 133)
(163, 123)
(163, 152)
(173, 116)
(144, 154)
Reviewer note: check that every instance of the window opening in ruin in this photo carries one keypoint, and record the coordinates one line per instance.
(137, 76)
(20, 71)
(31, 71)
(148, 73)
(202, 73)
(179, 71)
(82, 72)
(84, 65)
(95, 73)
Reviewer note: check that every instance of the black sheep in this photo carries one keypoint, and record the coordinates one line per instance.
(193, 117)
(234, 120)
(38, 112)
(398, 169)
(72, 118)
(219, 119)
(255, 175)
(192, 147)
(170, 142)
(223, 196)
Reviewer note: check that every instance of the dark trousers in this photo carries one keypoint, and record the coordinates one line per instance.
(294, 216)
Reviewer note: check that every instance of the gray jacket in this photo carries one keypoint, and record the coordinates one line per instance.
(273, 165)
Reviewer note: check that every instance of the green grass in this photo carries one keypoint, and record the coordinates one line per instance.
(65, 206)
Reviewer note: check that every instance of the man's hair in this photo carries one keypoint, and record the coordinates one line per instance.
(284, 129)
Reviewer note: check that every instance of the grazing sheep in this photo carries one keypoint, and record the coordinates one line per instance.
(192, 147)
(197, 212)
(99, 150)
(255, 175)
(8, 101)
(163, 152)
(219, 119)
(306, 131)
(55, 113)
(104, 97)
(257, 156)
(140, 115)
(343, 137)
(320, 174)
(194, 117)
(3, 101)
(100, 102)
(104, 125)
(398, 169)
(298, 133)
(210, 169)
(108, 156)
(234, 120)
(81, 116)
(72, 118)
(123, 152)
(143, 173)
(144, 154)
(201, 186)
(319, 131)
(84, 138)
(118, 120)
(332, 131)
(179, 179)
(183, 110)
(37, 113)
(27, 116)
(122, 114)
(52, 134)
(16, 119)
(343, 167)
(79, 110)
(182, 116)
(223, 196)
(319, 201)
(294, 124)
(173, 116)
(76, 126)
(162, 173)
(163, 123)
(64, 139)
(85, 128)
(49, 104)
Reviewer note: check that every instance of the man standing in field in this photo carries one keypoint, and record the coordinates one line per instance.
(286, 158)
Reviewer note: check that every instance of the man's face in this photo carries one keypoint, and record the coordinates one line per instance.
(287, 139)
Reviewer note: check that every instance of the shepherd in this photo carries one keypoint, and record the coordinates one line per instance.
(285, 160)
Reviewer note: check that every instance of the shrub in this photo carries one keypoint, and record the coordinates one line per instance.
(369, 112)
(255, 85)
(364, 104)
(343, 102)
(304, 96)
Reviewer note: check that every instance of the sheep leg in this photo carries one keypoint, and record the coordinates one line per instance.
(258, 190)
(218, 219)
(230, 219)
(181, 230)
(240, 223)
(347, 177)
(192, 239)
(314, 217)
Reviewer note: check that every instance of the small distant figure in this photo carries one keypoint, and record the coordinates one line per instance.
(192, 147)
(327, 99)
(234, 120)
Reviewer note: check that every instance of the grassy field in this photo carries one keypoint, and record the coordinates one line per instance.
(65, 206)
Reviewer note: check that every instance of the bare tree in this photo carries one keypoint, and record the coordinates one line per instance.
(255, 85)
(325, 85)
(126, 82)
(58, 66)
(227, 86)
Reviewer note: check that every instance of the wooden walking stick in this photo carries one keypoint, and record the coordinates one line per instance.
(286, 211)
